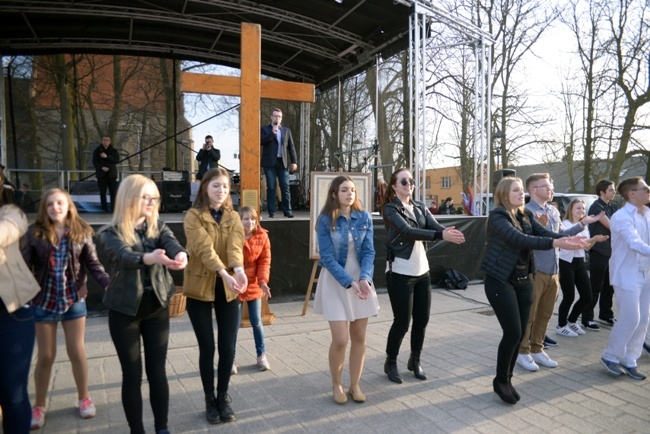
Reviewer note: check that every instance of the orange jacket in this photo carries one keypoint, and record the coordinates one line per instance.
(257, 263)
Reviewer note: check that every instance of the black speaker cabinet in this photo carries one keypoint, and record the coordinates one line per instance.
(175, 196)
(294, 190)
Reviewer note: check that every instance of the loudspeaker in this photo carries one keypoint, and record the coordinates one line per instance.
(175, 196)
(294, 190)
(498, 175)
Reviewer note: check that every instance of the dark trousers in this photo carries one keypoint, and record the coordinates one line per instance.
(227, 313)
(573, 275)
(17, 335)
(410, 296)
(150, 327)
(600, 288)
(280, 174)
(106, 182)
(511, 302)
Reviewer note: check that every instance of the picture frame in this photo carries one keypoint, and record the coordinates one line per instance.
(320, 183)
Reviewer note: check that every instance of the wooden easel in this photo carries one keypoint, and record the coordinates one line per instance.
(267, 316)
(312, 280)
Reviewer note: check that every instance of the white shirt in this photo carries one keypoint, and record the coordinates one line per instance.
(568, 255)
(630, 261)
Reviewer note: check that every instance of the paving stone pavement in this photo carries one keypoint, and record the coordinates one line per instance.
(295, 395)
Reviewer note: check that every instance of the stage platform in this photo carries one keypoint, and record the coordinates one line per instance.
(291, 266)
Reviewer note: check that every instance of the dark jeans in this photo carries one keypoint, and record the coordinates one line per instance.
(573, 275)
(106, 182)
(282, 174)
(227, 313)
(511, 303)
(600, 286)
(151, 323)
(17, 335)
(410, 296)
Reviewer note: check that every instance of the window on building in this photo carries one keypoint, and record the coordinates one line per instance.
(428, 183)
(446, 182)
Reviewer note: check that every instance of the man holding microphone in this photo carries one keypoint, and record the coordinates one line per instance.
(208, 157)
(278, 160)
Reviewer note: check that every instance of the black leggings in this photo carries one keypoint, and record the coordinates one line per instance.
(511, 302)
(409, 296)
(227, 313)
(151, 323)
(573, 275)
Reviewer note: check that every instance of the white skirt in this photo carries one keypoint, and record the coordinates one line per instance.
(336, 303)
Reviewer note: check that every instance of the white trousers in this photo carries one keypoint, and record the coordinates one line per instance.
(625, 342)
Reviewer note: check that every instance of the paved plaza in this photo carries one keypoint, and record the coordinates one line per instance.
(295, 395)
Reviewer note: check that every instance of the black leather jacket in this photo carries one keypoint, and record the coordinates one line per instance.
(505, 241)
(402, 230)
(126, 268)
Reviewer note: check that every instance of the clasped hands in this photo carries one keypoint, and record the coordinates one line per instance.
(361, 289)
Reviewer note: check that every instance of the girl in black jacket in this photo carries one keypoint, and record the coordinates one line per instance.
(408, 225)
(513, 234)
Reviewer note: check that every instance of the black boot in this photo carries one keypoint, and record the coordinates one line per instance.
(512, 389)
(223, 405)
(413, 365)
(211, 411)
(504, 391)
(390, 368)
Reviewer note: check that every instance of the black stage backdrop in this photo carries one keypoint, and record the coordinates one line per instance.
(291, 267)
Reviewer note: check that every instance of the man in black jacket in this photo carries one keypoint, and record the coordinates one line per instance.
(208, 157)
(278, 160)
(105, 159)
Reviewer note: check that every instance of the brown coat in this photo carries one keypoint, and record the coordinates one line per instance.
(211, 248)
(257, 260)
(18, 285)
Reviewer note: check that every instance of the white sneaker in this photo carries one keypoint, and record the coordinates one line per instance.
(234, 370)
(576, 328)
(262, 363)
(565, 331)
(87, 408)
(543, 359)
(527, 362)
(38, 417)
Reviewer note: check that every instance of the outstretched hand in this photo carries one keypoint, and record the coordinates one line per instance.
(593, 218)
(453, 235)
(571, 243)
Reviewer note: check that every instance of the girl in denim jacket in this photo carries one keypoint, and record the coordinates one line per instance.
(344, 294)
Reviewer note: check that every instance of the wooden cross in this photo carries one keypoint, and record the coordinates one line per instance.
(251, 88)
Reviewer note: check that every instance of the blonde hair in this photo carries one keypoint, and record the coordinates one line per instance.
(44, 229)
(568, 215)
(502, 198)
(251, 212)
(128, 206)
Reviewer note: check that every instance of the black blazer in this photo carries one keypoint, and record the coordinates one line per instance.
(505, 241)
(402, 231)
(111, 160)
(269, 143)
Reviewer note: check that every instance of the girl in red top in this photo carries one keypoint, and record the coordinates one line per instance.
(58, 248)
(257, 263)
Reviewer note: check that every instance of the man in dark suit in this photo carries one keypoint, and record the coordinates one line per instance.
(105, 159)
(278, 160)
(208, 157)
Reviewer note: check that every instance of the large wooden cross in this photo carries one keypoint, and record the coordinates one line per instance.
(251, 88)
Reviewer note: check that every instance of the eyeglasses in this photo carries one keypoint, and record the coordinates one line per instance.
(644, 188)
(407, 181)
(151, 200)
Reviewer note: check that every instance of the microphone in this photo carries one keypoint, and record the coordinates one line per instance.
(275, 123)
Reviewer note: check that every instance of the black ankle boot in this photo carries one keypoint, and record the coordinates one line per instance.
(512, 389)
(390, 368)
(504, 391)
(223, 405)
(211, 411)
(413, 365)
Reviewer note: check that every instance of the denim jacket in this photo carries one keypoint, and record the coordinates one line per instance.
(333, 245)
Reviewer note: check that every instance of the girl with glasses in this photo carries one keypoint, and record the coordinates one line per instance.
(59, 248)
(141, 250)
(409, 224)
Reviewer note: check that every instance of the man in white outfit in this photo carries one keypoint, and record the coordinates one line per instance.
(629, 268)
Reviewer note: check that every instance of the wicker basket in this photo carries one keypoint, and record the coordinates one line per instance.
(177, 303)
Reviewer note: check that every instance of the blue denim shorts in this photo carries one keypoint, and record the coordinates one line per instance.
(77, 310)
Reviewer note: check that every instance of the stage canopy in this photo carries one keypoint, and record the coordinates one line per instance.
(302, 40)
